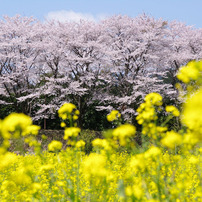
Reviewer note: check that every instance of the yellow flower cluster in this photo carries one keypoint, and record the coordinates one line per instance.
(146, 111)
(192, 114)
(14, 125)
(114, 115)
(101, 143)
(80, 144)
(153, 99)
(147, 115)
(94, 165)
(123, 133)
(55, 146)
(70, 112)
(71, 132)
(173, 110)
(67, 110)
(172, 139)
(192, 107)
(190, 72)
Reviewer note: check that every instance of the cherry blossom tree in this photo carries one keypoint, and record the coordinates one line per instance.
(17, 61)
(133, 47)
(85, 59)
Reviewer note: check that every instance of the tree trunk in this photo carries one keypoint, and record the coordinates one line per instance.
(44, 123)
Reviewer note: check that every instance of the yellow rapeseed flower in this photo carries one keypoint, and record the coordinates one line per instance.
(172, 139)
(21, 177)
(192, 114)
(71, 132)
(7, 160)
(66, 109)
(136, 190)
(16, 123)
(114, 115)
(123, 132)
(55, 146)
(101, 143)
(36, 187)
(9, 185)
(63, 124)
(80, 144)
(146, 114)
(194, 159)
(152, 152)
(154, 99)
(173, 110)
(190, 72)
(94, 165)
(31, 130)
(137, 162)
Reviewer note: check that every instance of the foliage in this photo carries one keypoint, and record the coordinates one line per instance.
(166, 168)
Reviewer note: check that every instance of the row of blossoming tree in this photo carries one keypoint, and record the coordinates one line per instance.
(111, 64)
